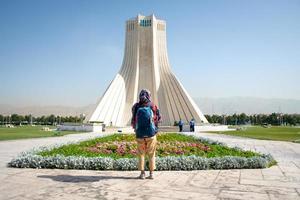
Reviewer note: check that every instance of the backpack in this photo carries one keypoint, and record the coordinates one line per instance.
(145, 126)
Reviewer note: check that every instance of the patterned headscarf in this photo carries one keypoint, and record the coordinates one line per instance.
(145, 96)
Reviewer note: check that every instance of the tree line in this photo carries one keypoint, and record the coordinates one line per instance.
(255, 119)
(42, 120)
(235, 119)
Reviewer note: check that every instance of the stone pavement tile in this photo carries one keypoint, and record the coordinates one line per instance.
(297, 164)
(87, 173)
(34, 185)
(64, 190)
(172, 193)
(185, 178)
(138, 196)
(196, 189)
(258, 189)
(204, 178)
(297, 161)
(254, 188)
(3, 177)
(292, 168)
(292, 196)
(31, 173)
(87, 191)
(280, 191)
(251, 174)
(62, 196)
(37, 194)
(156, 198)
(162, 179)
(120, 185)
(284, 162)
(272, 171)
(298, 191)
(15, 190)
(16, 171)
(282, 179)
(31, 180)
(117, 195)
(271, 183)
(293, 177)
(121, 181)
(82, 176)
(90, 172)
(226, 176)
(239, 195)
(17, 198)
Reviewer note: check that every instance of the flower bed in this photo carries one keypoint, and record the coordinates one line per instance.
(118, 152)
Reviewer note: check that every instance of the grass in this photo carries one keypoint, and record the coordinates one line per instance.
(280, 133)
(24, 132)
(124, 146)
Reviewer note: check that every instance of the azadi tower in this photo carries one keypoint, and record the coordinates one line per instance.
(146, 65)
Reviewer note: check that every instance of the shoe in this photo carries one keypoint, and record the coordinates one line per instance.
(142, 175)
(150, 176)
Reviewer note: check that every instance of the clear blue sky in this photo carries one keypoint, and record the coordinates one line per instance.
(65, 52)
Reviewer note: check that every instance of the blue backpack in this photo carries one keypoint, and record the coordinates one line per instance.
(145, 126)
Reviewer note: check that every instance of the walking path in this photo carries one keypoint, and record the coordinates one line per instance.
(278, 182)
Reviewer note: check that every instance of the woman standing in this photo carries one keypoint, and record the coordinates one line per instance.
(145, 119)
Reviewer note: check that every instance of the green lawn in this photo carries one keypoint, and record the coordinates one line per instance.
(281, 133)
(23, 132)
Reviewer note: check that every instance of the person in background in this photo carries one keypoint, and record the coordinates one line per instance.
(180, 124)
(192, 125)
(145, 119)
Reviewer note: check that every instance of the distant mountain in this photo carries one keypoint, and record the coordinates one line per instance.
(230, 105)
(46, 110)
(248, 105)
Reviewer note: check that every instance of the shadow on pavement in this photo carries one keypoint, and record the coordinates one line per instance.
(78, 179)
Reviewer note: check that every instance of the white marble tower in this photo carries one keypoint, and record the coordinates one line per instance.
(146, 65)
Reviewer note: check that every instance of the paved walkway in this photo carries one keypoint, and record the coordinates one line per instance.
(278, 182)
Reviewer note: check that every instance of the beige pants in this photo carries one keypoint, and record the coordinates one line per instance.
(146, 146)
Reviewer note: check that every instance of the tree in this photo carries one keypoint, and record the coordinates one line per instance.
(51, 119)
(14, 119)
